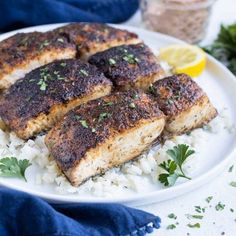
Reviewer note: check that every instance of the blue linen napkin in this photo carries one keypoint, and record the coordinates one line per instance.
(22, 13)
(23, 214)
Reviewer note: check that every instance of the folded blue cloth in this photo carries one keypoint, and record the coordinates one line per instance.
(22, 13)
(23, 214)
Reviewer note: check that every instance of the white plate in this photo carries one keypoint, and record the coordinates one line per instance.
(220, 86)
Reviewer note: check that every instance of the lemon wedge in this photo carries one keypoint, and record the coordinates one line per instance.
(184, 58)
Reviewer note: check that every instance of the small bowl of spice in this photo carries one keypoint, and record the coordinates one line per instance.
(183, 19)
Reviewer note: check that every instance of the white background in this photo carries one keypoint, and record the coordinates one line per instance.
(214, 222)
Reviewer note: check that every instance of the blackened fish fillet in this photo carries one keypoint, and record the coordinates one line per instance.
(94, 37)
(24, 52)
(36, 102)
(129, 66)
(184, 103)
(104, 133)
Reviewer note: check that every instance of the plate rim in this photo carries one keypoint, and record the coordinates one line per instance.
(145, 198)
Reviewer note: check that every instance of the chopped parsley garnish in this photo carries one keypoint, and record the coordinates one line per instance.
(60, 77)
(111, 61)
(136, 96)
(172, 216)
(84, 123)
(233, 184)
(171, 226)
(24, 42)
(194, 216)
(61, 40)
(108, 104)
(151, 89)
(174, 168)
(103, 116)
(43, 85)
(11, 167)
(93, 130)
(130, 58)
(220, 206)
(169, 101)
(63, 64)
(231, 168)
(132, 105)
(46, 76)
(44, 44)
(77, 117)
(199, 209)
(223, 48)
(208, 199)
(83, 72)
(197, 225)
(231, 209)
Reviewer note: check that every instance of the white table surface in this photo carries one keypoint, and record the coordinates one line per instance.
(214, 222)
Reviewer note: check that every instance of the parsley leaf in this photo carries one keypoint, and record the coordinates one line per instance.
(84, 123)
(197, 225)
(102, 116)
(171, 226)
(130, 58)
(11, 167)
(61, 40)
(200, 209)
(194, 216)
(108, 104)
(223, 48)
(111, 61)
(231, 168)
(172, 216)
(174, 169)
(208, 199)
(180, 153)
(233, 184)
(132, 105)
(220, 206)
(83, 72)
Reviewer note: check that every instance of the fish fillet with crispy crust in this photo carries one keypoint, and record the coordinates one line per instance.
(104, 133)
(36, 102)
(129, 66)
(94, 37)
(184, 103)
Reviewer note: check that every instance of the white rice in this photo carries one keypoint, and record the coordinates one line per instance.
(130, 177)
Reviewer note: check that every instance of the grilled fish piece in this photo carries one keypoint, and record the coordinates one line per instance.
(184, 103)
(104, 133)
(129, 66)
(24, 52)
(94, 37)
(34, 103)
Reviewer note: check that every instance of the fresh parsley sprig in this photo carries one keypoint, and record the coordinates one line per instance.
(11, 167)
(174, 168)
(224, 47)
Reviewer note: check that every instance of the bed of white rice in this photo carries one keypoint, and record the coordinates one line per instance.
(130, 177)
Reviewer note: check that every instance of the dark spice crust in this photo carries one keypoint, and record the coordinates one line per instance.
(176, 93)
(25, 99)
(69, 140)
(25, 46)
(124, 71)
(85, 35)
